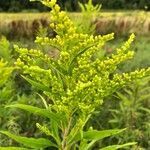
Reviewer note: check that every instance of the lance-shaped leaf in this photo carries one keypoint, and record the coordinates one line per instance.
(14, 148)
(36, 84)
(92, 136)
(30, 142)
(38, 111)
(85, 145)
(98, 135)
(115, 147)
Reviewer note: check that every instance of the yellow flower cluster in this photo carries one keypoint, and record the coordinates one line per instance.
(78, 79)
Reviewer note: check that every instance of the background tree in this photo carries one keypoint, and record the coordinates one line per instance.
(72, 5)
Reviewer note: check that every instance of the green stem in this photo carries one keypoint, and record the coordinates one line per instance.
(65, 133)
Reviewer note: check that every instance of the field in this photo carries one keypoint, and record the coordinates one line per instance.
(121, 23)
(50, 88)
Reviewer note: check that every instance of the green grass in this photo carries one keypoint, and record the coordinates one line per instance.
(7, 17)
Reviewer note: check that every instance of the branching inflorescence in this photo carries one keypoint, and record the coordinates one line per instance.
(77, 80)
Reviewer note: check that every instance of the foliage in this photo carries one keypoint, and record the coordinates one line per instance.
(132, 112)
(128, 109)
(17, 6)
(125, 4)
(72, 5)
(6, 95)
(89, 7)
(11, 91)
(88, 16)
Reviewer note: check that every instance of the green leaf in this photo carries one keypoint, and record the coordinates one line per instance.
(146, 88)
(14, 148)
(85, 145)
(38, 111)
(144, 97)
(55, 132)
(115, 147)
(76, 133)
(74, 136)
(145, 109)
(30, 142)
(94, 136)
(81, 7)
(122, 97)
(98, 135)
(36, 84)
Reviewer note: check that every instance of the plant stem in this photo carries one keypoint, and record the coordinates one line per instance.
(66, 131)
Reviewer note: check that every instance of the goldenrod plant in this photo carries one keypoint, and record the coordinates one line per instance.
(89, 14)
(74, 84)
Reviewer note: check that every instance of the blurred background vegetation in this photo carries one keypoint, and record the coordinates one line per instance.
(72, 5)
